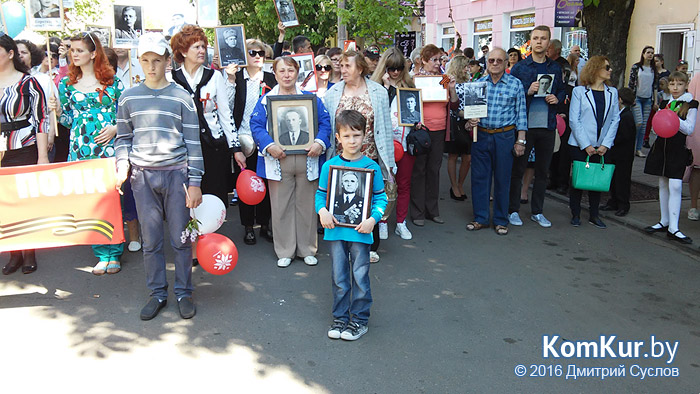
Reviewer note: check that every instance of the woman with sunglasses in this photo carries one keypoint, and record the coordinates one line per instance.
(324, 70)
(425, 181)
(88, 97)
(218, 136)
(392, 73)
(245, 85)
(293, 178)
(594, 115)
(24, 128)
(38, 63)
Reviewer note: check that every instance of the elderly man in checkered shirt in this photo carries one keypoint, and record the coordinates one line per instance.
(500, 136)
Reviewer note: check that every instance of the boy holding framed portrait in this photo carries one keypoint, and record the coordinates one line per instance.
(350, 201)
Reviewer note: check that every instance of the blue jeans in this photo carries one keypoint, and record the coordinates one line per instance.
(351, 293)
(492, 158)
(159, 194)
(641, 112)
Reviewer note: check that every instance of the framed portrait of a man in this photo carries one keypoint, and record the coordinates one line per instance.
(349, 197)
(546, 81)
(45, 15)
(292, 121)
(286, 12)
(208, 13)
(472, 99)
(128, 25)
(410, 106)
(230, 45)
(306, 80)
(104, 33)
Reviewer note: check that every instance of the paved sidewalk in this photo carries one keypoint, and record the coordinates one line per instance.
(646, 213)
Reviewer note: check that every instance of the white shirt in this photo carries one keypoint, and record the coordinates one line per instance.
(137, 74)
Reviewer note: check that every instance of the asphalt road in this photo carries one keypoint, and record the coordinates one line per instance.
(453, 312)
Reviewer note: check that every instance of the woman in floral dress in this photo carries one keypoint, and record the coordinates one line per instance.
(88, 106)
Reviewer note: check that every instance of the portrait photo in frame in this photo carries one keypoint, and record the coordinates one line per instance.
(349, 197)
(128, 25)
(410, 106)
(44, 15)
(292, 121)
(307, 72)
(208, 13)
(230, 45)
(286, 12)
(104, 33)
(431, 89)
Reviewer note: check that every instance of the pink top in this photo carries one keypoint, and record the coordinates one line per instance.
(435, 116)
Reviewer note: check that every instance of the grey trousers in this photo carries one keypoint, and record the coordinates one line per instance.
(159, 195)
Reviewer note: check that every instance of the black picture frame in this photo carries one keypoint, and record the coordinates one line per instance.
(288, 19)
(358, 208)
(228, 54)
(280, 118)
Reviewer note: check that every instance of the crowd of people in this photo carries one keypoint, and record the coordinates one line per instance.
(108, 103)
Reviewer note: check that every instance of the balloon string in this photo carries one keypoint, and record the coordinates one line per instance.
(188, 197)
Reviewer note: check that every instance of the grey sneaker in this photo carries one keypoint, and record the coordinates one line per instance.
(514, 219)
(336, 329)
(353, 331)
(541, 220)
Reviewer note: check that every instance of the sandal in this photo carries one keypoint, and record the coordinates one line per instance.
(100, 268)
(373, 257)
(501, 230)
(475, 226)
(113, 267)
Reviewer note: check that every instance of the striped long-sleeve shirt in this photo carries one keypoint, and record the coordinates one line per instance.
(159, 129)
(23, 102)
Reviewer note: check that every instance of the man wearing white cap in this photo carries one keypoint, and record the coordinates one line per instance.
(158, 136)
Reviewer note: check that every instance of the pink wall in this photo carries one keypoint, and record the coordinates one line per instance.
(437, 13)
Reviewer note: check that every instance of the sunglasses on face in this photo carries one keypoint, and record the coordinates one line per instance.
(496, 61)
(607, 67)
(394, 69)
(252, 53)
(324, 68)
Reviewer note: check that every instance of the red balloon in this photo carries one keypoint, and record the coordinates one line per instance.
(216, 253)
(250, 187)
(561, 125)
(398, 151)
(665, 123)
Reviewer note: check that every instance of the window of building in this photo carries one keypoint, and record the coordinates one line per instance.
(448, 37)
(482, 35)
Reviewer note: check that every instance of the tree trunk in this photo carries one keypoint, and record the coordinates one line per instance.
(608, 26)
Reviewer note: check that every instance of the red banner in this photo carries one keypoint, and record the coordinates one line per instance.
(59, 204)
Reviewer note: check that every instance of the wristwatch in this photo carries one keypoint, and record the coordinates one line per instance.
(521, 142)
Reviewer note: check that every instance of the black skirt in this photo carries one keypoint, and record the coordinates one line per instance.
(668, 157)
(26, 156)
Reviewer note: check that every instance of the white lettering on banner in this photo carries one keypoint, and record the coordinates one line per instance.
(51, 183)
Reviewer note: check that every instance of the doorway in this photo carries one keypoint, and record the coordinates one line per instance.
(671, 46)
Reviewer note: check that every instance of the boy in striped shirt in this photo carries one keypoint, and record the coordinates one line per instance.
(158, 137)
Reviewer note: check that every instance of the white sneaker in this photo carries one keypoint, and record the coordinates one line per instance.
(353, 331)
(135, 246)
(693, 214)
(383, 230)
(514, 219)
(373, 257)
(310, 260)
(284, 262)
(541, 220)
(402, 231)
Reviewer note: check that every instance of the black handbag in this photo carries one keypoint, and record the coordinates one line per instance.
(418, 141)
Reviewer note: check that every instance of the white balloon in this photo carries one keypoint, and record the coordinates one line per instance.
(247, 144)
(211, 214)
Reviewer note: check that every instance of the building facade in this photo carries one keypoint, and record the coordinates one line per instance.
(671, 26)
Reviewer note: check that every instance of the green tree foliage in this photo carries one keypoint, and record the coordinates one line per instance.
(318, 18)
(375, 20)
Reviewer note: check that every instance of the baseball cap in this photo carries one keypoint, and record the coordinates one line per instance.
(153, 42)
(372, 52)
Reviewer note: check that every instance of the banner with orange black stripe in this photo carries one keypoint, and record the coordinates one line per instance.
(61, 204)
